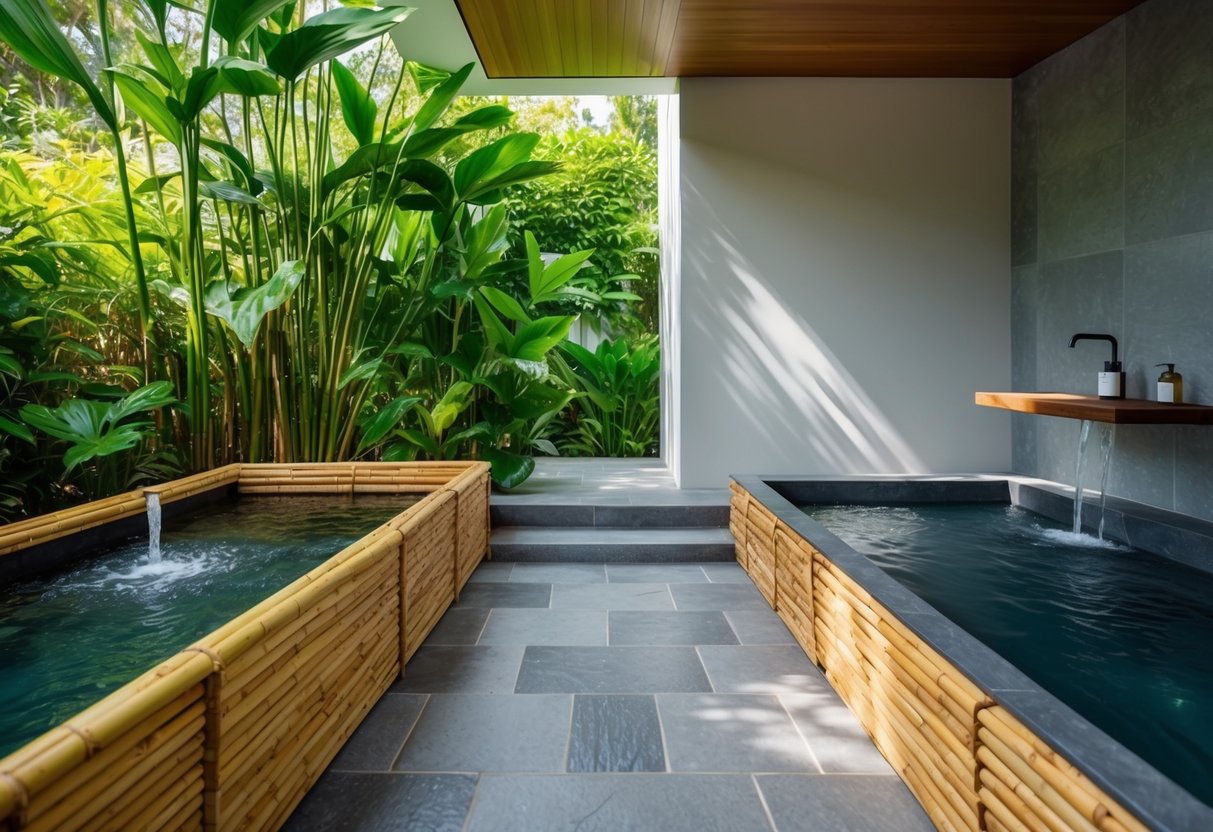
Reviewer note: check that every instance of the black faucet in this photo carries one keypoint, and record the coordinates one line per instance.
(1088, 336)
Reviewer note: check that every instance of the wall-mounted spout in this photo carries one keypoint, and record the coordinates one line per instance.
(1089, 336)
(1112, 379)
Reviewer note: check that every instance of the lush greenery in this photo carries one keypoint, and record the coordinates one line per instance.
(266, 238)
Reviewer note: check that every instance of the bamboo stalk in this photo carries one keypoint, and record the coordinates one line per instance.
(994, 775)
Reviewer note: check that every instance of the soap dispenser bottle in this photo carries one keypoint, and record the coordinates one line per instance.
(1170, 385)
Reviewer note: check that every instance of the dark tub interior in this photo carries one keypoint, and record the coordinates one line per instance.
(72, 636)
(1123, 637)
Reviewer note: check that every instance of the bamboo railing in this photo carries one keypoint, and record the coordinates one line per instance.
(968, 761)
(231, 732)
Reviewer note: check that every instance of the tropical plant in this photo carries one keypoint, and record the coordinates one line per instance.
(604, 198)
(618, 412)
(98, 432)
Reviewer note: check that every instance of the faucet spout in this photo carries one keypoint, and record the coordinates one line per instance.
(1091, 336)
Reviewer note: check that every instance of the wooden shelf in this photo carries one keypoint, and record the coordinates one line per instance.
(1117, 411)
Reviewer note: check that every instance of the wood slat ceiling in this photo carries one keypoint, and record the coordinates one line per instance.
(682, 38)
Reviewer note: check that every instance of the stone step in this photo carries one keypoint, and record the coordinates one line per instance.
(531, 544)
(588, 516)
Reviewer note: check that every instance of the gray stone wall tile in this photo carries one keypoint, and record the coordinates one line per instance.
(1194, 471)
(1084, 294)
(1082, 206)
(1169, 68)
(1169, 181)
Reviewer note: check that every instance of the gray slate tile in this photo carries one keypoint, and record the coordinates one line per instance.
(731, 732)
(718, 597)
(559, 573)
(834, 734)
(1168, 178)
(1170, 65)
(611, 802)
(611, 670)
(562, 627)
(725, 573)
(615, 733)
(611, 597)
(476, 732)
(841, 803)
(759, 627)
(655, 573)
(488, 669)
(459, 627)
(491, 572)
(663, 627)
(379, 738)
(505, 595)
(344, 802)
(1082, 206)
(761, 669)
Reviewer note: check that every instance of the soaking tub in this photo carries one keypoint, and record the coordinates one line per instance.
(980, 743)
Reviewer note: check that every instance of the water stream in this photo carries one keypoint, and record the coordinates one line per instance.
(153, 527)
(1107, 434)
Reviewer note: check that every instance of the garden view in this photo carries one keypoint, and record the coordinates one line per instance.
(252, 231)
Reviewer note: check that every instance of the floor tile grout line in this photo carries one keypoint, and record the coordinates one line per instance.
(665, 751)
(568, 743)
(803, 738)
(408, 734)
(670, 589)
(762, 799)
(729, 621)
(704, 665)
(483, 627)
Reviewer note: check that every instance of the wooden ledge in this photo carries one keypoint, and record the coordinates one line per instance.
(1116, 411)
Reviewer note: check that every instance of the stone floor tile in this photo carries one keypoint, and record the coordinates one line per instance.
(559, 573)
(759, 627)
(611, 597)
(491, 572)
(664, 627)
(761, 669)
(731, 732)
(377, 741)
(611, 670)
(726, 573)
(615, 733)
(477, 732)
(655, 573)
(505, 595)
(613, 802)
(459, 626)
(847, 803)
(834, 734)
(718, 597)
(348, 802)
(488, 669)
(549, 627)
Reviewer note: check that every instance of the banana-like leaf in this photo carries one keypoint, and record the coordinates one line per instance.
(235, 20)
(385, 420)
(485, 118)
(492, 160)
(328, 35)
(244, 309)
(456, 400)
(152, 396)
(227, 192)
(357, 107)
(486, 243)
(163, 61)
(247, 78)
(440, 98)
(546, 284)
(536, 339)
(491, 191)
(505, 304)
(28, 28)
(16, 429)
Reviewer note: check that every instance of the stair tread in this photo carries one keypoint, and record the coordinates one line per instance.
(605, 535)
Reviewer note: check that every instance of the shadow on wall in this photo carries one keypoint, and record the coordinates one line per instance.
(777, 371)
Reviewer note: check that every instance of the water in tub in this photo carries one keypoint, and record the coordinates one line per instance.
(68, 639)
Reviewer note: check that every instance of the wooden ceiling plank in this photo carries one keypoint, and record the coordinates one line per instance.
(633, 36)
(663, 42)
(647, 38)
(585, 42)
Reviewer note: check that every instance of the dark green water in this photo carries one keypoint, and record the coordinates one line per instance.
(1123, 637)
(68, 639)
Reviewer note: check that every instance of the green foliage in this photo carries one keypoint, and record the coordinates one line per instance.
(618, 412)
(605, 199)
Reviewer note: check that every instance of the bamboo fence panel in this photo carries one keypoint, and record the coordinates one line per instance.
(48, 527)
(967, 760)
(231, 732)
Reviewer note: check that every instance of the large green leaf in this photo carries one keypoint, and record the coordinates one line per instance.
(163, 61)
(509, 469)
(491, 161)
(247, 78)
(244, 309)
(109, 443)
(505, 304)
(440, 98)
(235, 20)
(16, 429)
(385, 420)
(227, 192)
(152, 396)
(328, 35)
(74, 420)
(456, 400)
(545, 285)
(144, 95)
(357, 107)
(536, 339)
(28, 28)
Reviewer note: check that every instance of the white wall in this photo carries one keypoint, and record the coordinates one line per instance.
(845, 279)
